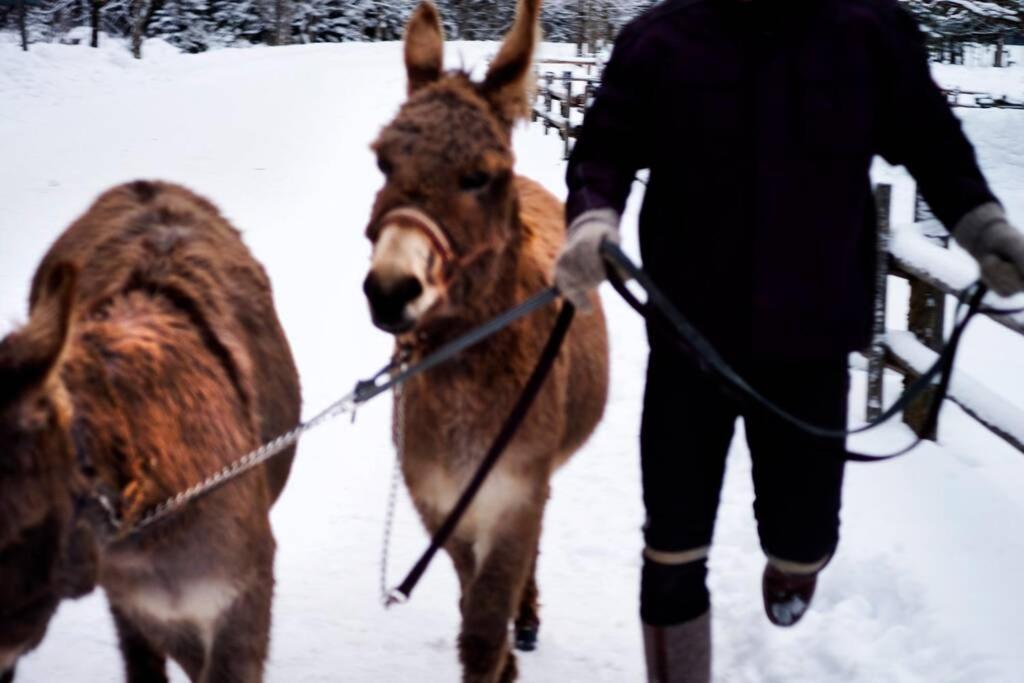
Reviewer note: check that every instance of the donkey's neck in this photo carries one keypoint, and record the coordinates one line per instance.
(478, 302)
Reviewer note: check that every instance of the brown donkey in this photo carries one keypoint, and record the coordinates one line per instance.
(152, 357)
(459, 238)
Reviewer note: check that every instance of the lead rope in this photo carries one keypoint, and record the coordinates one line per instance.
(389, 512)
(693, 343)
(397, 372)
(519, 411)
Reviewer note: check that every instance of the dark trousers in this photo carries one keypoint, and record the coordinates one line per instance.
(688, 425)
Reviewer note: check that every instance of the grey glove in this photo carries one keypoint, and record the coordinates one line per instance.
(580, 266)
(998, 247)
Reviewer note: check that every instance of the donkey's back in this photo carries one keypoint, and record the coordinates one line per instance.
(160, 238)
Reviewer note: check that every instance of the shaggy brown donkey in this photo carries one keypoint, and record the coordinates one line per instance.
(459, 238)
(152, 357)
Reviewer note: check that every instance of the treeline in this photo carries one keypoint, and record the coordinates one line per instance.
(198, 25)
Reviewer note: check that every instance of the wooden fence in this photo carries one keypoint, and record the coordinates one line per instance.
(971, 99)
(919, 253)
(571, 93)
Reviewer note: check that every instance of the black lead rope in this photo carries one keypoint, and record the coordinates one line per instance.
(710, 361)
(512, 423)
(373, 387)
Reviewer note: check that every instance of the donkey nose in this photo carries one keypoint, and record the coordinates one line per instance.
(388, 299)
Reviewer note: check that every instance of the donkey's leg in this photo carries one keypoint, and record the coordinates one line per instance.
(494, 594)
(242, 638)
(142, 662)
(528, 621)
(464, 560)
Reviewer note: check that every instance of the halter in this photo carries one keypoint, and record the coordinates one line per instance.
(415, 219)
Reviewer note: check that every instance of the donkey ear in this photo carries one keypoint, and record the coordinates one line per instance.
(424, 46)
(36, 349)
(508, 84)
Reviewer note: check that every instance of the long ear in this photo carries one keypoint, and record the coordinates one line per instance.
(424, 46)
(508, 84)
(34, 351)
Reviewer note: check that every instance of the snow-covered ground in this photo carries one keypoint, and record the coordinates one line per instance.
(926, 586)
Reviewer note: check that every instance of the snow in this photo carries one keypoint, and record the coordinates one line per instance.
(926, 585)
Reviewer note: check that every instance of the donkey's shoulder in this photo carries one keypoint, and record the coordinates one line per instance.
(543, 218)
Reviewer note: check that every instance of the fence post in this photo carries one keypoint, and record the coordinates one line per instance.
(567, 112)
(549, 82)
(567, 100)
(876, 354)
(23, 25)
(588, 95)
(926, 319)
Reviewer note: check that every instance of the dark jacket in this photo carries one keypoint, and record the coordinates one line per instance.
(759, 122)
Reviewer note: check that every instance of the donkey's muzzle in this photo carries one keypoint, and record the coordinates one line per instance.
(389, 299)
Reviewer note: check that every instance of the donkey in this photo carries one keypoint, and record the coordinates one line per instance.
(152, 357)
(457, 239)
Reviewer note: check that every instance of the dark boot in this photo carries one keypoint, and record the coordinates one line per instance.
(680, 653)
(786, 595)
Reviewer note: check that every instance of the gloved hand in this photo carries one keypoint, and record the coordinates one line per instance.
(998, 247)
(580, 266)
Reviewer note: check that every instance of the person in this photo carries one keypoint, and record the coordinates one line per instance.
(759, 120)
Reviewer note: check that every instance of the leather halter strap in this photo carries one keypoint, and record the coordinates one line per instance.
(408, 217)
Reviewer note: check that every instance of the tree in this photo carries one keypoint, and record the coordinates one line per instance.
(950, 23)
(967, 19)
(186, 24)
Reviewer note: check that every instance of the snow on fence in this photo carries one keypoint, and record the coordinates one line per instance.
(919, 253)
(970, 99)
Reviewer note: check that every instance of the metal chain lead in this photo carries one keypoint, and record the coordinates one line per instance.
(389, 513)
(397, 371)
(250, 460)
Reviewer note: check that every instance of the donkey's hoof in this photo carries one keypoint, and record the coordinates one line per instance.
(526, 638)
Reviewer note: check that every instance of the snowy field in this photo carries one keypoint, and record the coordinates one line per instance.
(927, 585)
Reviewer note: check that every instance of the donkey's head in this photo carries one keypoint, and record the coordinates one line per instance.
(38, 475)
(447, 212)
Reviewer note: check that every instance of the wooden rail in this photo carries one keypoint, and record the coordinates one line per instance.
(979, 100)
(920, 254)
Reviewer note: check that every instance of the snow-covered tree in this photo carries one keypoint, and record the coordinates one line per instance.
(951, 23)
(971, 19)
(187, 24)
(334, 21)
(196, 25)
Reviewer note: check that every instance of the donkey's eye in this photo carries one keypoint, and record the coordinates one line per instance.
(385, 166)
(474, 181)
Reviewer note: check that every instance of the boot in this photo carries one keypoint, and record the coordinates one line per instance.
(786, 595)
(680, 653)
